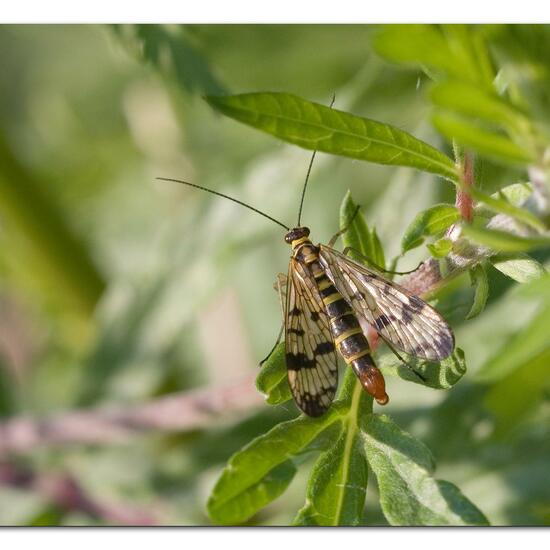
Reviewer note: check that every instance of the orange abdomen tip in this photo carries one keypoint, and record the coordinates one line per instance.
(373, 381)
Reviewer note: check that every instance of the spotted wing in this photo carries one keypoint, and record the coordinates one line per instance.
(310, 353)
(400, 317)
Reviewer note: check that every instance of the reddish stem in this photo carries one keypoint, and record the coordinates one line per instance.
(464, 201)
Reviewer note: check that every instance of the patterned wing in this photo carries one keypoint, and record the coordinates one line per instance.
(400, 317)
(310, 353)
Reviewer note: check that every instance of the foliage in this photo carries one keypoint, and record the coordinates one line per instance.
(113, 286)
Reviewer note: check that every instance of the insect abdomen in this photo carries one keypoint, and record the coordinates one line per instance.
(350, 340)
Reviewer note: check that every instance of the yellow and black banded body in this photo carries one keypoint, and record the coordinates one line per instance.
(345, 333)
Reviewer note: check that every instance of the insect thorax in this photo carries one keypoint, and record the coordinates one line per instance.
(306, 252)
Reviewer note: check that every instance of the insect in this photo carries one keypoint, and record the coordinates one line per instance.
(330, 302)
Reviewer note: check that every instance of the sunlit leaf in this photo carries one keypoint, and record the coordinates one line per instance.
(438, 375)
(520, 267)
(318, 127)
(440, 248)
(409, 494)
(430, 222)
(272, 380)
(338, 484)
(247, 483)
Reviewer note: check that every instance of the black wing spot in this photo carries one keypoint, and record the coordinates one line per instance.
(314, 316)
(407, 314)
(416, 305)
(324, 348)
(295, 311)
(298, 361)
(382, 321)
(297, 331)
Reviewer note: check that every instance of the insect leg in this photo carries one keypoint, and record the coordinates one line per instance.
(349, 249)
(332, 241)
(410, 367)
(278, 286)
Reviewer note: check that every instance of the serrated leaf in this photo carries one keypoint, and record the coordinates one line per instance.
(272, 381)
(431, 221)
(338, 482)
(440, 248)
(503, 240)
(521, 268)
(485, 142)
(479, 280)
(244, 505)
(438, 375)
(358, 236)
(338, 485)
(317, 127)
(409, 494)
(246, 484)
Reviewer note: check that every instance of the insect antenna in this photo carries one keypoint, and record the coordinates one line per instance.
(309, 171)
(227, 197)
(305, 186)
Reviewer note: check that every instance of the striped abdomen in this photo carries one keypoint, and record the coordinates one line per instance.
(348, 336)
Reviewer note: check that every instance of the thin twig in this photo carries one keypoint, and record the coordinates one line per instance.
(178, 412)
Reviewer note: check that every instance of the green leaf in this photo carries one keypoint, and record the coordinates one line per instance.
(520, 348)
(248, 482)
(503, 240)
(409, 495)
(317, 127)
(503, 206)
(520, 267)
(171, 53)
(430, 222)
(472, 101)
(516, 193)
(241, 507)
(485, 142)
(338, 482)
(358, 235)
(440, 248)
(422, 45)
(511, 398)
(338, 485)
(478, 277)
(438, 375)
(8, 393)
(272, 380)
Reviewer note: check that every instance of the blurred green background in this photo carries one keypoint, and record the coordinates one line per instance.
(116, 288)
